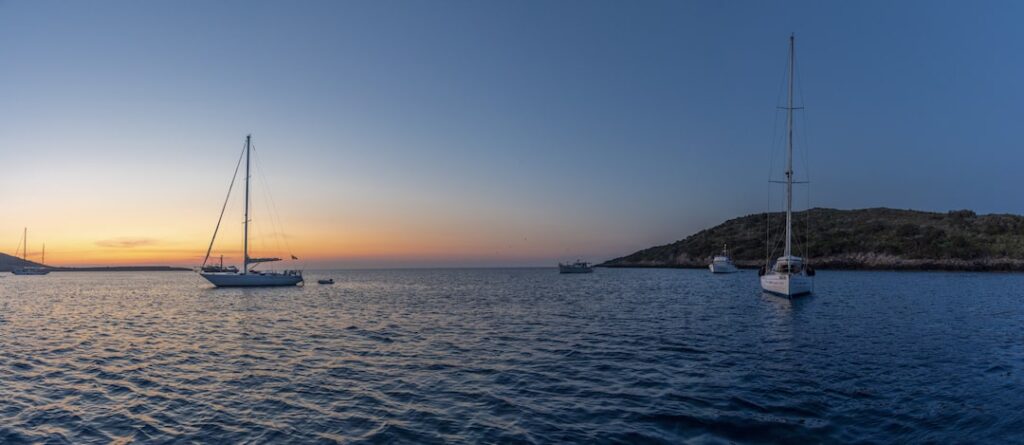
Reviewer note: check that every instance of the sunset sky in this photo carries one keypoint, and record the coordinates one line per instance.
(459, 133)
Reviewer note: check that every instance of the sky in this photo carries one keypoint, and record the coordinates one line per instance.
(500, 133)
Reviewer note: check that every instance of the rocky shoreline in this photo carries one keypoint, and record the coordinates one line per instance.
(865, 261)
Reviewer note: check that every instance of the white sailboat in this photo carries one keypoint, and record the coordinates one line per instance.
(788, 276)
(723, 263)
(230, 276)
(30, 270)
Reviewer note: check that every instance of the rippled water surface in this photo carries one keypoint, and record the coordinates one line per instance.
(518, 355)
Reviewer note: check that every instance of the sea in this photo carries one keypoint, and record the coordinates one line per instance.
(512, 356)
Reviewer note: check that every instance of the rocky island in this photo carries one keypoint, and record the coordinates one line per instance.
(877, 238)
(9, 262)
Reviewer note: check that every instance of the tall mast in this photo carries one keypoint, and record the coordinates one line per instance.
(24, 248)
(789, 152)
(43, 260)
(245, 236)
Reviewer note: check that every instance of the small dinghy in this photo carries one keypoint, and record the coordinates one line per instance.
(326, 281)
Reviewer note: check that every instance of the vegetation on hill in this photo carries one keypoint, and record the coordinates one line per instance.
(878, 238)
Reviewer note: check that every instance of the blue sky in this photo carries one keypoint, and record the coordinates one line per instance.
(492, 133)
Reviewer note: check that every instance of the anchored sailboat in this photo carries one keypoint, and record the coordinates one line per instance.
(230, 276)
(788, 276)
(30, 270)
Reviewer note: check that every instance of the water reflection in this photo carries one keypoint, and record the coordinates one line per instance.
(782, 305)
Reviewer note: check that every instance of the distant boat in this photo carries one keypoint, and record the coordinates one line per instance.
(325, 281)
(230, 276)
(722, 263)
(30, 270)
(577, 267)
(788, 276)
(219, 267)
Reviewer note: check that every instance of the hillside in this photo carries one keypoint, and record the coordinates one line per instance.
(877, 238)
(8, 262)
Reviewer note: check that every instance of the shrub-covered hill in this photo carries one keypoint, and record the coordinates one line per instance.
(877, 238)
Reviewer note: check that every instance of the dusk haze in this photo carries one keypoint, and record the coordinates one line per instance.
(487, 134)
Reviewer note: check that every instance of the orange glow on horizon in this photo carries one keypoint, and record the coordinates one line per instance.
(316, 245)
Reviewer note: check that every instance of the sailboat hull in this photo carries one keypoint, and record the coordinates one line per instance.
(722, 268)
(251, 279)
(787, 285)
(30, 271)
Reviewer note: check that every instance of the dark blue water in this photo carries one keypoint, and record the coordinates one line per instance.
(430, 356)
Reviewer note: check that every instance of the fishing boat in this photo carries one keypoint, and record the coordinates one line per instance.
(577, 267)
(41, 269)
(789, 276)
(230, 276)
(723, 263)
(325, 281)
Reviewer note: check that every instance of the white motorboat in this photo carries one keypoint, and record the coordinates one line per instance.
(230, 276)
(789, 276)
(577, 267)
(723, 263)
(41, 269)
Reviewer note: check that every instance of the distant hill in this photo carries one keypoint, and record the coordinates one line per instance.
(8, 262)
(122, 269)
(877, 238)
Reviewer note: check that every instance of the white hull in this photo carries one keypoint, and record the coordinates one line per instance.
(30, 271)
(722, 268)
(789, 285)
(575, 270)
(251, 279)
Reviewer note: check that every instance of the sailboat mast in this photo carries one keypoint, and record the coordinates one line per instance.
(43, 260)
(24, 240)
(789, 152)
(245, 236)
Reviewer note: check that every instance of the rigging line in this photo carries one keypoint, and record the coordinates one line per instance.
(234, 178)
(773, 150)
(258, 227)
(276, 228)
(273, 204)
(807, 233)
(805, 150)
(264, 189)
(257, 223)
(775, 119)
(803, 117)
(777, 142)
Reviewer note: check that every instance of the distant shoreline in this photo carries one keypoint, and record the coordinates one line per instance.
(924, 265)
(121, 269)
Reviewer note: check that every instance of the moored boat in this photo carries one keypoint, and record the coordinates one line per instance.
(789, 276)
(723, 263)
(41, 269)
(230, 276)
(577, 267)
